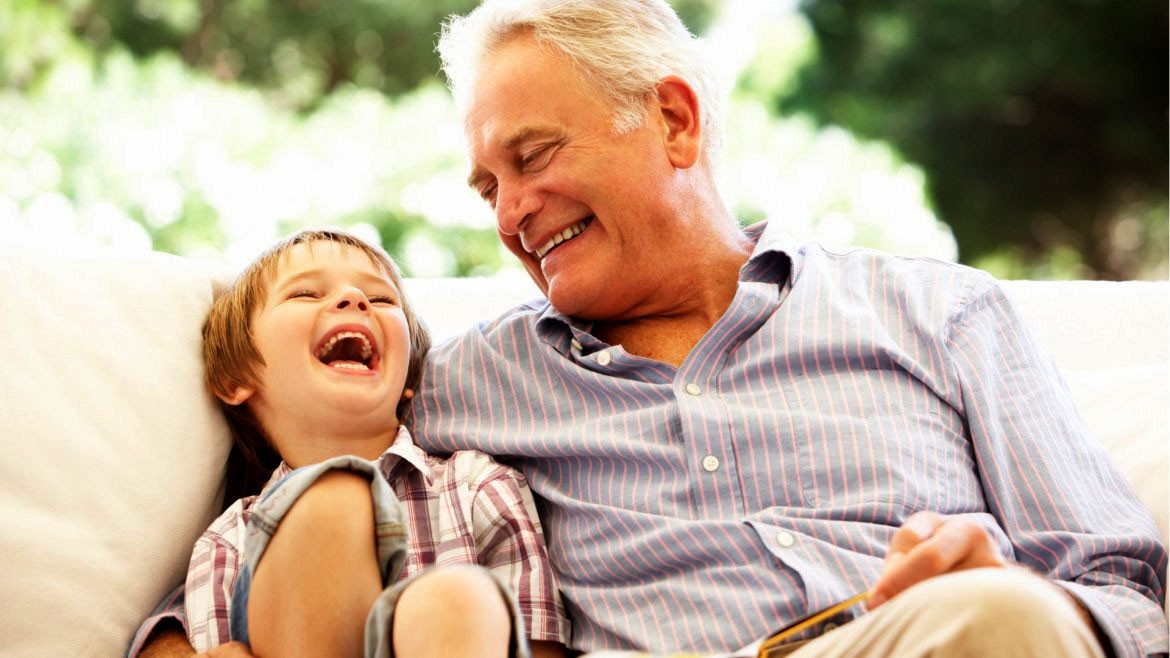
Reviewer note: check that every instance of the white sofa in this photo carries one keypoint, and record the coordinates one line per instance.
(112, 452)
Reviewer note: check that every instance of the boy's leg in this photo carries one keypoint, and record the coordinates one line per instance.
(319, 574)
(448, 612)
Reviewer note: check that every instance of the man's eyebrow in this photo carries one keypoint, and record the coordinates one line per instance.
(516, 139)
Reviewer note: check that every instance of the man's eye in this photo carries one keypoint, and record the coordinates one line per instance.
(488, 193)
(536, 159)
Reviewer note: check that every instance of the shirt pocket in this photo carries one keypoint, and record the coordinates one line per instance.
(916, 461)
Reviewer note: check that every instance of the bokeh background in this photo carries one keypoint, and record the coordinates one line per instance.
(1026, 137)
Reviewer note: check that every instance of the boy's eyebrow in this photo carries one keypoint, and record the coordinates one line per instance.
(521, 136)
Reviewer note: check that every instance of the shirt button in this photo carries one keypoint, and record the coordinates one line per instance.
(830, 626)
(576, 344)
(694, 389)
(785, 539)
(710, 463)
(603, 359)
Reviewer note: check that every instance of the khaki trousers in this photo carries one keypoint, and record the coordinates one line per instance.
(1003, 613)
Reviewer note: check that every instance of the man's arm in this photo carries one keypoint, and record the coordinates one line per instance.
(1066, 510)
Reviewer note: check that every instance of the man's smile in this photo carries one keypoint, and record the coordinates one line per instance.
(561, 237)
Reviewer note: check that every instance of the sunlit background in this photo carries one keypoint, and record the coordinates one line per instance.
(1025, 137)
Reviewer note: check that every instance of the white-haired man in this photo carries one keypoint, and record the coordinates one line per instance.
(726, 431)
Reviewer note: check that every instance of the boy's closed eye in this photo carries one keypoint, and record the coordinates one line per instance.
(374, 299)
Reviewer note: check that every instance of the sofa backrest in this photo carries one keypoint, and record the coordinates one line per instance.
(113, 453)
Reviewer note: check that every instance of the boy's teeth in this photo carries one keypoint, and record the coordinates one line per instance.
(348, 365)
(557, 238)
(367, 350)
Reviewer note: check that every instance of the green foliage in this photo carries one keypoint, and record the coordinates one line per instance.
(1041, 125)
(304, 50)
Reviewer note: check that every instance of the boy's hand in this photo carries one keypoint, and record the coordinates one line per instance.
(929, 545)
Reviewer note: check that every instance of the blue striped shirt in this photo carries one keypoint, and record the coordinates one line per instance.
(701, 507)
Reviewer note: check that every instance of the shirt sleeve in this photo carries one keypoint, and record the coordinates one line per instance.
(1067, 510)
(211, 577)
(511, 544)
(170, 608)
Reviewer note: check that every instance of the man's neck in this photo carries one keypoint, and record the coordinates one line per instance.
(670, 333)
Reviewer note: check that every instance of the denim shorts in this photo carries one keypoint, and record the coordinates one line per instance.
(391, 534)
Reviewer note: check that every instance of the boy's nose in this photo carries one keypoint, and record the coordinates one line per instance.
(355, 298)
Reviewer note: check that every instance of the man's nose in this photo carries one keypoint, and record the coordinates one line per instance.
(353, 298)
(515, 203)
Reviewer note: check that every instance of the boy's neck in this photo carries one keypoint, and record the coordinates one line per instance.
(310, 449)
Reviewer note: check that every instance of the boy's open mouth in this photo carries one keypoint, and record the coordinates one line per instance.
(348, 350)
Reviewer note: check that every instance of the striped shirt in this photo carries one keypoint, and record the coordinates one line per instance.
(466, 509)
(698, 508)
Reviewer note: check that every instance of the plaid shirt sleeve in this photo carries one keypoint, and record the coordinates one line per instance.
(485, 514)
(170, 608)
(211, 577)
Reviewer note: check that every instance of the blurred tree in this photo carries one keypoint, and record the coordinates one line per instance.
(1041, 125)
(302, 50)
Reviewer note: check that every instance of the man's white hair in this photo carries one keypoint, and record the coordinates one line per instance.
(623, 47)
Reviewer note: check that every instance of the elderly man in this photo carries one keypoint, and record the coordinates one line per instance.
(726, 431)
(729, 431)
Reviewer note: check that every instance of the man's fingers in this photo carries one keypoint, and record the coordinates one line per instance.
(919, 527)
(951, 545)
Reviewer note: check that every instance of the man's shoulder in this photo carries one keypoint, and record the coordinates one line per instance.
(893, 272)
(518, 322)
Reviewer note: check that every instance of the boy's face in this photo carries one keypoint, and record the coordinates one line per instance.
(336, 347)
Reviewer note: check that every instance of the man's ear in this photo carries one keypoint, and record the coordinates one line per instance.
(678, 104)
(235, 394)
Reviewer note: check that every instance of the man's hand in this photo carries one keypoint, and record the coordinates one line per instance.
(929, 545)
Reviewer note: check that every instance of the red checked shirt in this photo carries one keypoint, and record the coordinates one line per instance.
(465, 509)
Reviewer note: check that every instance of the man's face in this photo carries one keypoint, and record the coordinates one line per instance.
(578, 204)
(335, 344)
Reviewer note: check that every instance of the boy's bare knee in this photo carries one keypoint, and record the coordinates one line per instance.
(453, 611)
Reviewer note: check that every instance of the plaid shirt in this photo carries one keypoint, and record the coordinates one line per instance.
(465, 509)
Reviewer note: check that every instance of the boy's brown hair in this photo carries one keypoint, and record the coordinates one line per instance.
(231, 360)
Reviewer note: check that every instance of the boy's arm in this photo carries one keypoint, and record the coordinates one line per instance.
(510, 542)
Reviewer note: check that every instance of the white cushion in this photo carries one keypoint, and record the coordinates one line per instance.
(112, 452)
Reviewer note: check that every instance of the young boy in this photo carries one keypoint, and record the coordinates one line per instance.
(315, 352)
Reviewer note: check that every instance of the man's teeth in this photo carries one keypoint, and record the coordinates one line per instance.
(567, 234)
(367, 349)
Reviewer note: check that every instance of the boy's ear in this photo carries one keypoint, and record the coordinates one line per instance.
(236, 395)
